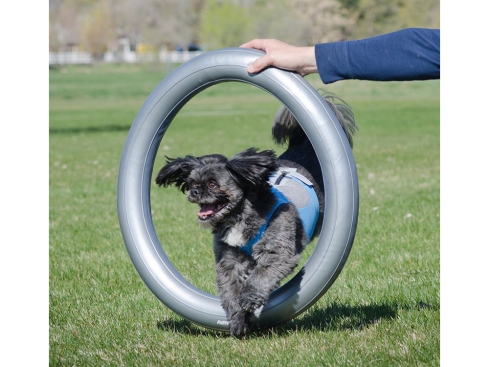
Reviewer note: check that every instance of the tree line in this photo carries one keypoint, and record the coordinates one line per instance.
(96, 26)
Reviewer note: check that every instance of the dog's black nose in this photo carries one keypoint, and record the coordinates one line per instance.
(194, 192)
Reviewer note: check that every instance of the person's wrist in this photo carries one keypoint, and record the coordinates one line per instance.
(310, 65)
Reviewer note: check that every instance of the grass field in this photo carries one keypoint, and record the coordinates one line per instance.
(384, 308)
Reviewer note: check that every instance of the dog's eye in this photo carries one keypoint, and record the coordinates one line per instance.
(212, 185)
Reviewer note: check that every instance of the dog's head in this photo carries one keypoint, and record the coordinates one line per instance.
(217, 184)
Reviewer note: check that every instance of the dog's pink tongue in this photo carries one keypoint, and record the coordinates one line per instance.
(206, 210)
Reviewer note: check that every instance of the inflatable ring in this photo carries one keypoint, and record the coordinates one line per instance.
(135, 179)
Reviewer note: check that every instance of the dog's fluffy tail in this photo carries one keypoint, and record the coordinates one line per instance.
(287, 129)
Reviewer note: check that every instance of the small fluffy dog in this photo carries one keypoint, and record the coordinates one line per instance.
(262, 210)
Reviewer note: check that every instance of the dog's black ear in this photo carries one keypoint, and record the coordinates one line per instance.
(251, 167)
(176, 171)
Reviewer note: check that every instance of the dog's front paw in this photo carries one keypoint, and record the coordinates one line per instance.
(239, 325)
(252, 298)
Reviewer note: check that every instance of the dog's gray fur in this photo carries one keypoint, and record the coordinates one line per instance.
(235, 199)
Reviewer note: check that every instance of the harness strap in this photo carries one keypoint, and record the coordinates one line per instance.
(308, 214)
(280, 199)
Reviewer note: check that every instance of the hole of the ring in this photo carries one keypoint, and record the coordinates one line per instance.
(226, 119)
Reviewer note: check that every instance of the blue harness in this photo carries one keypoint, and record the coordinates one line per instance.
(288, 186)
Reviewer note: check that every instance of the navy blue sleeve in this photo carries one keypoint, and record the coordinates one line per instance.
(408, 54)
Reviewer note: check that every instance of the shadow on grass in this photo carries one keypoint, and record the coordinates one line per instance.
(90, 129)
(338, 317)
(335, 317)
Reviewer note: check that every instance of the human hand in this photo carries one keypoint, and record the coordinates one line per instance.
(282, 55)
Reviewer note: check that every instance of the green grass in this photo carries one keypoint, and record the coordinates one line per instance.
(383, 310)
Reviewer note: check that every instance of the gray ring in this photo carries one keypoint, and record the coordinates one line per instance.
(133, 192)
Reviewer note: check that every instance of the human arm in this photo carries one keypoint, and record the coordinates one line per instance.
(408, 54)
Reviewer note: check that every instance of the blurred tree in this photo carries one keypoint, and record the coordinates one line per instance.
(97, 30)
(325, 20)
(157, 22)
(167, 23)
(375, 17)
(306, 22)
(195, 19)
(303, 22)
(154, 22)
(99, 24)
(63, 25)
(419, 13)
(225, 23)
(277, 19)
(126, 20)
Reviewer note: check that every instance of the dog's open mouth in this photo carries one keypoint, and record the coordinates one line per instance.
(209, 210)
